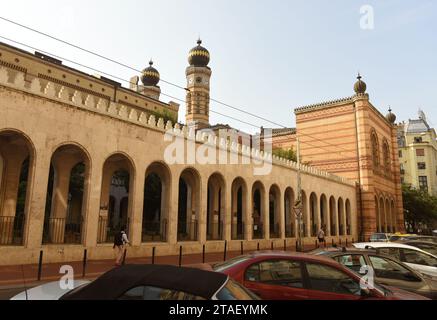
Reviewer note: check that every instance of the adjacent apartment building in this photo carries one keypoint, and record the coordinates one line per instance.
(418, 154)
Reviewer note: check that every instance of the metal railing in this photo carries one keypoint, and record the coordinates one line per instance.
(237, 231)
(333, 230)
(106, 231)
(154, 231)
(11, 230)
(290, 231)
(275, 231)
(341, 230)
(62, 230)
(258, 231)
(187, 231)
(215, 231)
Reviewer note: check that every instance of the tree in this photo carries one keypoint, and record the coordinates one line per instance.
(288, 154)
(420, 208)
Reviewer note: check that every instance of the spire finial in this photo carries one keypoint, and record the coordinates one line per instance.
(151, 62)
(389, 109)
(199, 41)
(359, 76)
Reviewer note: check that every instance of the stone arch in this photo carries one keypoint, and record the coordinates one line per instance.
(156, 202)
(348, 218)
(238, 208)
(67, 194)
(188, 204)
(274, 211)
(375, 149)
(333, 217)
(386, 156)
(18, 159)
(117, 181)
(324, 216)
(258, 208)
(341, 217)
(314, 214)
(216, 207)
(289, 215)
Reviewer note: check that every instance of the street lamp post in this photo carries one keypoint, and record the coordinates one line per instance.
(298, 203)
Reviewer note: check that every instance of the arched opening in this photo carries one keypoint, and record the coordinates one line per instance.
(274, 211)
(239, 196)
(313, 214)
(258, 198)
(375, 150)
(16, 153)
(324, 213)
(341, 217)
(65, 201)
(290, 216)
(348, 218)
(155, 203)
(377, 215)
(188, 205)
(333, 216)
(382, 215)
(117, 181)
(215, 207)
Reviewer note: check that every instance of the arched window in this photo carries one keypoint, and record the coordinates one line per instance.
(375, 149)
(386, 156)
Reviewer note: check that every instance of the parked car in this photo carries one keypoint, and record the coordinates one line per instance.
(427, 246)
(380, 237)
(146, 282)
(396, 238)
(416, 258)
(386, 270)
(280, 275)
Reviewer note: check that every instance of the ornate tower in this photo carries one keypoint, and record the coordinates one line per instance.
(198, 75)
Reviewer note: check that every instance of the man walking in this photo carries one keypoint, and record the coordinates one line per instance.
(120, 241)
(321, 236)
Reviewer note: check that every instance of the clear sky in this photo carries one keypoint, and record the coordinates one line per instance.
(267, 57)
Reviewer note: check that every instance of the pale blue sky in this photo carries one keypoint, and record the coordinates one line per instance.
(266, 56)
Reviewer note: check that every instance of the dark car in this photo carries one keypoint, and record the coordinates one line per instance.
(148, 282)
(386, 270)
(280, 275)
(428, 246)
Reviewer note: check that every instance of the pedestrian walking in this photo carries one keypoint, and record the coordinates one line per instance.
(321, 235)
(120, 241)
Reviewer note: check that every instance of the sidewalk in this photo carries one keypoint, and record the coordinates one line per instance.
(18, 276)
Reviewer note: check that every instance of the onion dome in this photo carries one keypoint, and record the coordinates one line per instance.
(360, 86)
(198, 56)
(391, 117)
(150, 76)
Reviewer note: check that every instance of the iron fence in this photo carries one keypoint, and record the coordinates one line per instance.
(62, 230)
(11, 230)
(258, 231)
(154, 231)
(238, 231)
(187, 231)
(214, 231)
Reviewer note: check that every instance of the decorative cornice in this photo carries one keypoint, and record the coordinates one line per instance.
(322, 105)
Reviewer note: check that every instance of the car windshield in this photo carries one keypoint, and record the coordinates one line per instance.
(75, 290)
(219, 267)
(378, 236)
(234, 291)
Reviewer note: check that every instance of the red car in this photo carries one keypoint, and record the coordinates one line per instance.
(276, 275)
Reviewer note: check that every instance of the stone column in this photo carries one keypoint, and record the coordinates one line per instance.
(265, 214)
(247, 214)
(203, 211)
(228, 214)
(172, 220)
(281, 215)
(136, 195)
(37, 194)
(92, 210)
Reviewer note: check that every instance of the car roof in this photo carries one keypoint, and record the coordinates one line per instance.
(117, 281)
(288, 254)
(388, 245)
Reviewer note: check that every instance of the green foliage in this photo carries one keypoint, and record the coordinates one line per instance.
(165, 115)
(288, 154)
(419, 206)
